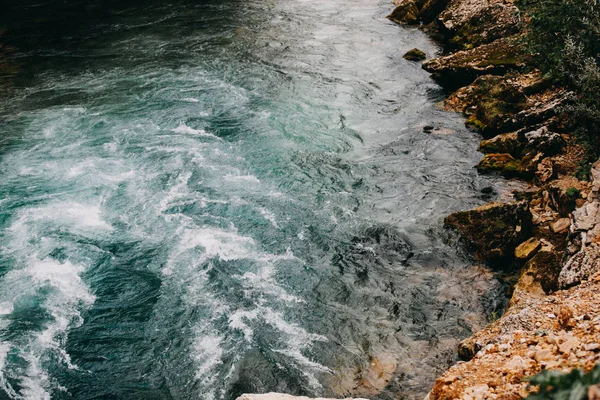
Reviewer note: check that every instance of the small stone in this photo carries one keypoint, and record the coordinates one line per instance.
(414, 55)
(592, 347)
(565, 318)
(552, 364)
(593, 392)
(504, 347)
(543, 355)
(561, 225)
(527, 249)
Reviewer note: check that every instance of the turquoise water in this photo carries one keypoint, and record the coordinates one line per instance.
(201, 199)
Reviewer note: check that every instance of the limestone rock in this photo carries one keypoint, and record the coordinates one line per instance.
(504, 164)
(561, 225)
(406, 13)
(431, 9)
(542, 109)
(555, 332)
(494, 230)
(463, 67)
(470, 23)
(415, 55)
(527, 249)
(580, 267)
(529, 164)
(564, 193)
(539, 276)
(504, 143)
(545, 170)
(544, 141)
(513, 102)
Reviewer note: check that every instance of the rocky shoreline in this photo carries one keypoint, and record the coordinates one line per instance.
(548, 238)
(550, 235)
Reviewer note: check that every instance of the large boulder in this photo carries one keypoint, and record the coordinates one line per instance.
(463, 67)
(493, 231)
(507, 143)
(519, 144)
(580, 267)
(523, 103)
(539, 275)
(542, 140)
(414, 55)
(502, 163)
(431, 9)
(470, 23)
(405, 13)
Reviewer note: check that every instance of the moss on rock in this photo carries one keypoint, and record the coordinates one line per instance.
(415, 55)
(493, 231)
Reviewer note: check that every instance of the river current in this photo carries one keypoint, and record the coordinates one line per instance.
(201, 199)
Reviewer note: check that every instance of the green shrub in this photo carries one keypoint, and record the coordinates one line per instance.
(563, 37)
(555, 385)
(573, 193)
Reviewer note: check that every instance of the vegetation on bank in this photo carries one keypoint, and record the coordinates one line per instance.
(574, 385)
(563, 37)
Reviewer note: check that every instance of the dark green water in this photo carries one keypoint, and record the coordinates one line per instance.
(201, 199)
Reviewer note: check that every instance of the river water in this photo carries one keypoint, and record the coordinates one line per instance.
(202, 199)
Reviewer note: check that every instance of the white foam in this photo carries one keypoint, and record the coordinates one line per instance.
(241, 178)
(208, 352)
(70, 213)
(186, 130)
(226, 245)
(236, 321)
(295, 338)
(268, 215)
(67, 294)
(4, 350)
(35, 380)
(176, 191)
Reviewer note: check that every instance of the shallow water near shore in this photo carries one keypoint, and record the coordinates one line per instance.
(203, 199)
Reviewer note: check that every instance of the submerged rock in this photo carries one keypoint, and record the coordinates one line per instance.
(415, 55)
(493, 231)
(376, 376)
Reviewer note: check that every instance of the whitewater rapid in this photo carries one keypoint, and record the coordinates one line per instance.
(205, 199)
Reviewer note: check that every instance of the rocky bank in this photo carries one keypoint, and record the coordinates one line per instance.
(548, 238)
